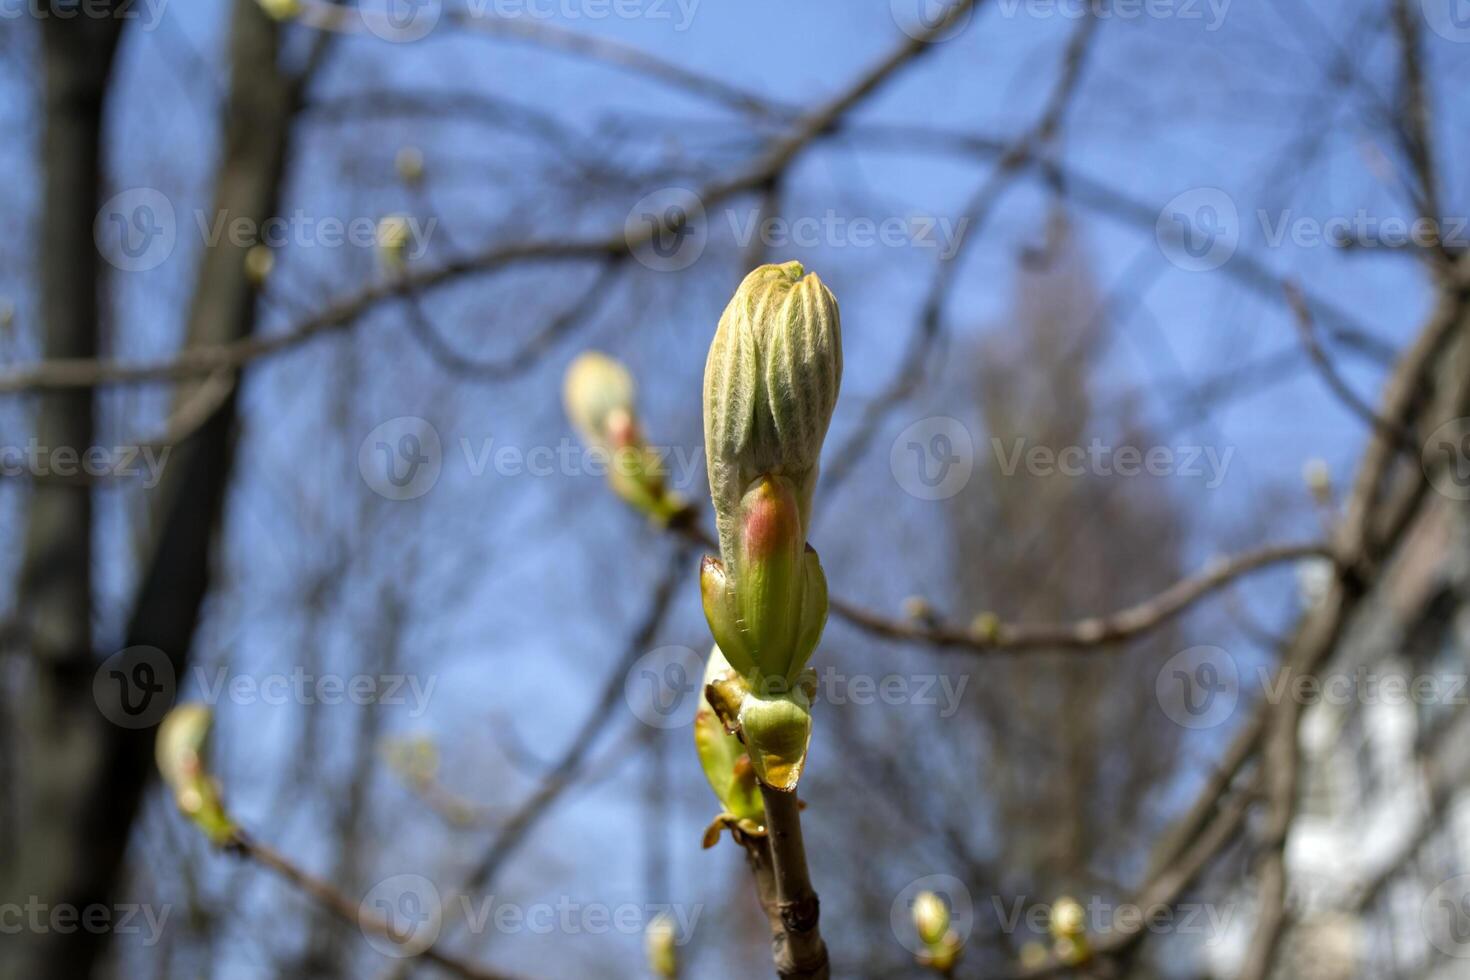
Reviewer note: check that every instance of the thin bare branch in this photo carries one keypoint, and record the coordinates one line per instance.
(798, 949)
(81, 373)
(989, 635)
(329, 897)
(1307, 329)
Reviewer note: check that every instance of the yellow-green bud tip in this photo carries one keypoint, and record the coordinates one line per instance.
(661, 944)
(1068, 919)
(931, 918)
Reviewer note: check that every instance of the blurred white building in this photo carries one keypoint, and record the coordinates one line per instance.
(1379, 854)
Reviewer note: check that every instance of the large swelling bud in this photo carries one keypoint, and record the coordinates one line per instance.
(770, 385)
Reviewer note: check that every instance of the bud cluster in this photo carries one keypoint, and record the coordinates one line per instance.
(770, 386)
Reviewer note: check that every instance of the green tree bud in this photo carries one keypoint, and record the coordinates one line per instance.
(281, 9)
(931, 917)
(599, 396)
(409, 163)
(770, 385)
(1068, 928)
(180, 750)
(1068, 918)
(661, 944)
(769, 620)
(777, 730)
(394, 235)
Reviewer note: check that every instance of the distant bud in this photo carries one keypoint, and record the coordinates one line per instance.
(281, 9)
(259, 261)
(1314, 578)
(770, 386)
(1318, 478)
(180, 750)
(931, 917)
(414, 757)
(942, 955)
(1071, 952)
(393, 236)
(985, 627)
(598, 394)
(409, 163)
(661, 942)
(1068, 919)
(1033, 955)
(917, 609)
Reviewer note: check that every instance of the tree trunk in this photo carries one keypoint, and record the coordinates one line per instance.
(57, 731)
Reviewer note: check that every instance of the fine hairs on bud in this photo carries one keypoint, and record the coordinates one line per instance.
(770, 386)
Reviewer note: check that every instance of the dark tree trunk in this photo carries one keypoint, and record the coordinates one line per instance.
(87, 775)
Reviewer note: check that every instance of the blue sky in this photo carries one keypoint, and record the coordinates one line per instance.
(530, 585)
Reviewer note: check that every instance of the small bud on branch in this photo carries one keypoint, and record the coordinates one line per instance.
(599, 396)
(180, 750)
